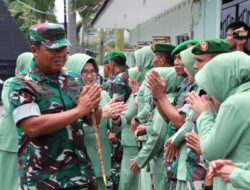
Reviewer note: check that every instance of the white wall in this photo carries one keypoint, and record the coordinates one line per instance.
(204, 14)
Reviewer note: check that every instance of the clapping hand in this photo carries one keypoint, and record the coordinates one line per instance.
(199, 104)
(113, 109)
(156, 84)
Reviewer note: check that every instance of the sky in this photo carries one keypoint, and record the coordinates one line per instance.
(59, 11)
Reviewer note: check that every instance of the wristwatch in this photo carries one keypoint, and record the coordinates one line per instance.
(207, 187)
(136, 119)
(116, 118)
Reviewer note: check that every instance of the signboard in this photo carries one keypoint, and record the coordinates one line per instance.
(161, 39)
(142, 44)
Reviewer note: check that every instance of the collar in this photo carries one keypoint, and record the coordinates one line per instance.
(122, 71)
(39, 75)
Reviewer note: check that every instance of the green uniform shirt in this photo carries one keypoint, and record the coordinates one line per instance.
(240, 177)
(127, 136)
(226, 135)
(8, 133)
(89, 138)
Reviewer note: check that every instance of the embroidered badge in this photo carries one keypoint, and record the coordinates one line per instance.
(204, 46)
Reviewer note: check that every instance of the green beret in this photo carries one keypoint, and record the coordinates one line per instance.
(105, 60)
(163, 47)
(118, 57)
(211, 46)
(187, 58)
(182, 46)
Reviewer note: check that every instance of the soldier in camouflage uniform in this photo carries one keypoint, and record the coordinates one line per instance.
(117, 85)
(118, 88)
(48, 106)
(172, 113)
(195, 162)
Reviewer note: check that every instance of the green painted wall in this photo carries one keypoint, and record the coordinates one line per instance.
(202, 17)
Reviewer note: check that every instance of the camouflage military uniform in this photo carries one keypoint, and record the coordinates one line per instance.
(196, 164)
(56, 160)
(170, 167)
(116, 159)
(107, 85)
(118, 87)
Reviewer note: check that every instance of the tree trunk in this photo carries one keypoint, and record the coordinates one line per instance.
(72, 27)
(82, 37)
(101, 46)
(119, 40)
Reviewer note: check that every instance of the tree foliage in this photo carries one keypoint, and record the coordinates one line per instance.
(26, 17)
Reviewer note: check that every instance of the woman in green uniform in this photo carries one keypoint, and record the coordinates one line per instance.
(8, 133)
(225, 135)
(88, 69)
(130, 145)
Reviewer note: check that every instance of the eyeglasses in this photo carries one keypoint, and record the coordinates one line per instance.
(85, 73)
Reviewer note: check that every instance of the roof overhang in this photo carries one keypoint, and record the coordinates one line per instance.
(126, 14)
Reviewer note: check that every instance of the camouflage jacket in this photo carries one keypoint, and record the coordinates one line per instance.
(59, 159)
(118, 87)
(196, 164)
(179, 102)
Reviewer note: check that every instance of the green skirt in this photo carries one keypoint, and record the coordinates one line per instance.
(9, 170)
(128, 180)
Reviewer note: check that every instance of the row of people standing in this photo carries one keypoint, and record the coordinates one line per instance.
(187, 168)
(163, 77)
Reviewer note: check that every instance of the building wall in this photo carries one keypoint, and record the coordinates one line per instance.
(199, 19)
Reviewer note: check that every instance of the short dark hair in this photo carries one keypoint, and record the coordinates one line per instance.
(236, 25)
(118, 61)
(167, 56)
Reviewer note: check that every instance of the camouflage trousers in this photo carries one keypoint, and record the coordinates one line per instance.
(116, 159)
(170, 168)
(92, 186)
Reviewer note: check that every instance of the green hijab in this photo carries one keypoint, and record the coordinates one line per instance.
(77, 62)
(135, 74)
(187, 58)
(172, 80)
(225, 75)
(23, 61)
(144, 58)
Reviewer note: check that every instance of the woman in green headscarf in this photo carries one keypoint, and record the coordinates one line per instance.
(130, 148)
(86, 66)
(144, 62)
(225, 135)
(8, 133)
